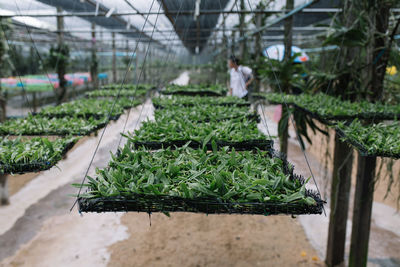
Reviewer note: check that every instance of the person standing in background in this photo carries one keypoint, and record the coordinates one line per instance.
(240, 78)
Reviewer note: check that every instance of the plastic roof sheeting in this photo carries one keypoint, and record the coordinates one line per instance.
(90, 6)
(188, 26)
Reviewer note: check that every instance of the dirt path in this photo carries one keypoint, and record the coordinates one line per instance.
(213, 240)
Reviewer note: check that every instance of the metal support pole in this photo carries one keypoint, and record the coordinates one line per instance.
(94, 63)
(61, 68)
(114, 59)
(136, 67)
(243, 45)
(363, 201)
(258, 50)
(340, 195)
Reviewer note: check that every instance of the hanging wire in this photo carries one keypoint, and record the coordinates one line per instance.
(112, 109)
(291, 118)
(137, 82)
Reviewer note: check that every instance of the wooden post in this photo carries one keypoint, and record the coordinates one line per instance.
(363, 200)
(3, 105)
(340, 194)
(364, 194)
(94, 63)
(114, 59)
(61, 67)
(4, 200)
(284, 131)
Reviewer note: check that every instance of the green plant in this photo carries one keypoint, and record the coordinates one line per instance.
(138, 87)
(84, 108)
(203, 113)
(201, 88)
(198, 100)
(117, 92)
(22, 155)
(36, 125)
(188, 173)
(165, 129)
(375, 139)
(330, 107)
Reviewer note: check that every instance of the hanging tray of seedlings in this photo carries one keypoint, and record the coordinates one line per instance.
(195, 90)
(34, 155)
(187, 101)
(84, 108)
(95, 116)
(38, 126)
(164, 132)
(157, 106)
(206, 113)
(250, 117)
(375, 140)
(188, 180)
(193, 93)
(265, 145)
(330, 119)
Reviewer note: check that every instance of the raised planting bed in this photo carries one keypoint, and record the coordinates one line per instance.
(380, 140)
(188, 180)
(37, 125)
(23, 155)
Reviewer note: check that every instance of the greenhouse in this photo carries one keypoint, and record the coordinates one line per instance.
(200, 133)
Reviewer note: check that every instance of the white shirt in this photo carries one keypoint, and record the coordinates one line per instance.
(238, 80)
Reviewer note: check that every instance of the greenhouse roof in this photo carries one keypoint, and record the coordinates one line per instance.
(171, 23)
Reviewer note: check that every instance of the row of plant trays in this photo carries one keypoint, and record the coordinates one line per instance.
(34, 166)
(210, 205)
